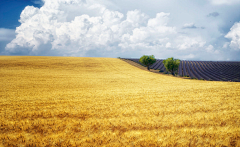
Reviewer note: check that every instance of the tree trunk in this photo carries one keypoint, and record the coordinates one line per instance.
(148, 68)
(173, 72)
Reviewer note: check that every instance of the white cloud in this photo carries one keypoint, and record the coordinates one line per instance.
(150, 36)
(223, 2)
(160, 20)
(189, 26)
(55, 23)
(210, 48)
(6, 34)
(185, 42)
(115, 28)
(28, 13)
(168, 45)
(234, 35)
(92, 28)
(136, 18)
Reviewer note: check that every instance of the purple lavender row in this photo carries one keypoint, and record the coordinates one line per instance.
(207, 70)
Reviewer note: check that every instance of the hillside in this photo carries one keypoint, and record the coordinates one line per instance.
(202, 70)
(73, 101)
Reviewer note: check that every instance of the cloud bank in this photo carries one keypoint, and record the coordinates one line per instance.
(73, 27)
(91, 28)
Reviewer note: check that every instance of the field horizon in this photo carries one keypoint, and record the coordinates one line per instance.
(87, 101)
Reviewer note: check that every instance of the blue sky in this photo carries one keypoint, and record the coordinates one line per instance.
(187, 30)
(10, 11)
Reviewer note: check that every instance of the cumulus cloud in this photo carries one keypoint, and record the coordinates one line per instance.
(234, 35)
(149, 36)
(210, 48)
(223, 2)
(189, 26)
(104, 28)
(89, 28)
(77, 26)
(213, 14)
(185, 42)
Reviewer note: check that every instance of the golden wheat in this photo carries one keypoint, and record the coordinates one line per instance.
(70, 101)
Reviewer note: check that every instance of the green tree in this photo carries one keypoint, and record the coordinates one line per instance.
(171, 64)
(147, 60)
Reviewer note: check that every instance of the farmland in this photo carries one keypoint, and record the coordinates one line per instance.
(203, 70)
(73, 101)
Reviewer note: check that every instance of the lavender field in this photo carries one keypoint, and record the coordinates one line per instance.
(203, 70)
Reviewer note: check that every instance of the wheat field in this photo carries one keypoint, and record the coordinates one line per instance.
(80, 101)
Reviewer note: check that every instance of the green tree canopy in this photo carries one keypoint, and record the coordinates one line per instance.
(147, 60)
(171, 64)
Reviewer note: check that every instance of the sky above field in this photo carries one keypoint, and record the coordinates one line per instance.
(187, 30)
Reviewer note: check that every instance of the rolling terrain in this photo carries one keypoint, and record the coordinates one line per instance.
(203, 70)
(78, 101)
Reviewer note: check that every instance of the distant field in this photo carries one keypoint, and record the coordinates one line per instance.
(203, 70)
(73, 101)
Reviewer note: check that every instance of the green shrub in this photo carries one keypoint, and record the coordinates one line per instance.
(147, 61)
(171, 65)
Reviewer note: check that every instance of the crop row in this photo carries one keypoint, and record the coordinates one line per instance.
(203, 70)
